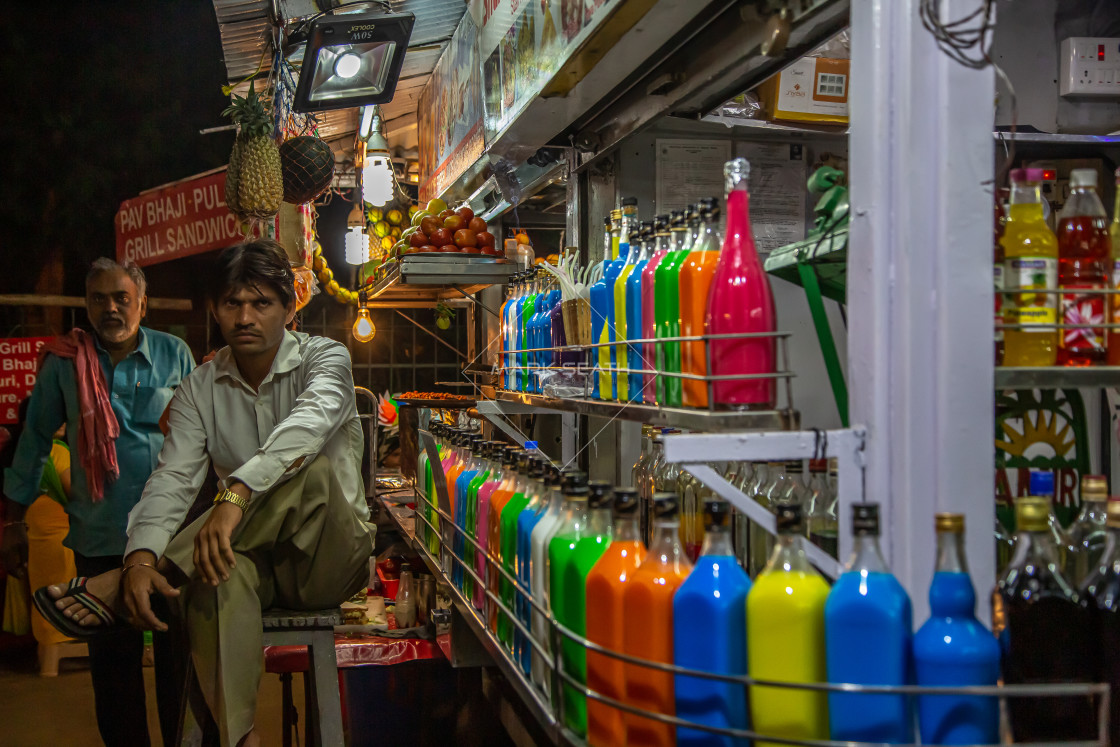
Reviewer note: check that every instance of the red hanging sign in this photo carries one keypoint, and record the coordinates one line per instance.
(178, 220)
(18, 359)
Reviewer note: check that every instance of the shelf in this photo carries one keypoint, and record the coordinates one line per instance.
(1059, 139)
(679, 417)
(1057, 377)
(435, 279)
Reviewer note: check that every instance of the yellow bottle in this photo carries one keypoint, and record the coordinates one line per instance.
(1030, 251)
(785, 638)
(629, 255)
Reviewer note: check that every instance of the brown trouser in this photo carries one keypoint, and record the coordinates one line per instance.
(299, 547)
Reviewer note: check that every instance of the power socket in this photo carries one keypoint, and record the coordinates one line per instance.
(1090, 66)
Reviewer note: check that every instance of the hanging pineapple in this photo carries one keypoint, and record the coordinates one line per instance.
(254, 183)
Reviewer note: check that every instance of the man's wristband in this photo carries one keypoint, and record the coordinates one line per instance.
(228, 496)
(130, 566)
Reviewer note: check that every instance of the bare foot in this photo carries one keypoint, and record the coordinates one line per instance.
(105, 587)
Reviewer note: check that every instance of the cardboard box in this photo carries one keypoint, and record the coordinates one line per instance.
(812, 89)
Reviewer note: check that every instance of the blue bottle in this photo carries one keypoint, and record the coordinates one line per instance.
(954, 649)
(868, 626)
(530, 515)
(462, 483)
(634, 314)
(601, 293)
(510, 325)
(710, 634)
(523, 309)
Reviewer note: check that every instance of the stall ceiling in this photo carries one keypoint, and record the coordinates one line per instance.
(246, 28)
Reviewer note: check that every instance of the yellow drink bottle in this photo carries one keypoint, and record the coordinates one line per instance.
(1030, 251)
(785, 638)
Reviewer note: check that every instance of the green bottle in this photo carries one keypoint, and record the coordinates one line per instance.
(530, 309)
(667, 309)
(508, 539)
(583, 536)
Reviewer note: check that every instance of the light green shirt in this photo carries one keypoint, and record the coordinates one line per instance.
(304, 407)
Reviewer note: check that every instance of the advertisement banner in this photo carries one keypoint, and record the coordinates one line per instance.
(450, 113)
(522, 43)
(178, 220)
(18, 358)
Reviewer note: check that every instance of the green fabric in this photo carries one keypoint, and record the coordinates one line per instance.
(50, 483)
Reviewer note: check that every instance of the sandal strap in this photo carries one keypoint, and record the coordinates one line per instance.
(89, 601)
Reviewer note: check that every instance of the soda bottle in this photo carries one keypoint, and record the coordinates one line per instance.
(643, 241)
(1083, 257)
(498, 501)
(661, 244)
(1088, 531)
(741, 302)
(1031, 262)
(696, 276)
(601, 297)
(541, 535)
(628, 253)
(1101, 594)
(1114, 238)
(667, 309)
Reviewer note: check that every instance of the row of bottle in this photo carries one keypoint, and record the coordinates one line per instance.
(576, 552)
(676, 276)
(1083, 256)
(767, 483)
(532, 323)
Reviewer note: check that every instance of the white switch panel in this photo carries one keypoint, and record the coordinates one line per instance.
(1090, 66)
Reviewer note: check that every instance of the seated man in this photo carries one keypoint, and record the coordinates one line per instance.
(274, 412)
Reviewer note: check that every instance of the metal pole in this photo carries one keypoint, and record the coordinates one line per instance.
(919, 287)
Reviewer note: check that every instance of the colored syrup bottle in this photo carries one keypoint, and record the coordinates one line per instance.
(1114, 265)
(458, 464)
(596, 298)
(661, 245)
(509, 337)
(462, 488)
(579, 542)
(470, 588)
(541, 535)
(627, 251)
(1089, 532)
(667, 310)
(522, 493)
(636, 381)
(740, 302)
(498, 501)
(1084, 253)
(606, 614)
(868, 628)
(482, 517)
(542, 475)
(1101, 595)
(648, 627)
(1030, 252)
(785, 620)
(1048, 636)
(528, 310)
(602, 316)
(953, 649)
(696, 275)
(710, 634)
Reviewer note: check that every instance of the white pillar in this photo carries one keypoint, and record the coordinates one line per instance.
(919, 288)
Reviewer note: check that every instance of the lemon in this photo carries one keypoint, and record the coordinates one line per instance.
(395, 232)
(394, 217)
(387, 242)
(375, 214)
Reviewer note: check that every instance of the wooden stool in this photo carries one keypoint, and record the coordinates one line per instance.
(322, 705)
(50, 654)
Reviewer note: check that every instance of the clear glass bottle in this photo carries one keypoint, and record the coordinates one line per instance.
(761, 541)
(1101, 594)
(404, 610)
(824, 522)
(1089, 530)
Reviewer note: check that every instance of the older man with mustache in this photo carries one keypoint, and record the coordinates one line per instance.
(110, 389)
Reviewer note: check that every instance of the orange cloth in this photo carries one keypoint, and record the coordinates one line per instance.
(98, 428)
(48, 561)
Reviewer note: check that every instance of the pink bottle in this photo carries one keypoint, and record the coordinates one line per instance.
(482, 528)
(740, 302)
(649, 353)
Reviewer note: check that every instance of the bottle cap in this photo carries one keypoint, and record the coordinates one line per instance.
(600, 494)
(551, 475)
(788, 518)
(406, 567)
(665, 506)
(625, 502)
(536, 468)
(530, 445)
(949, 522)
(1042, 483)
(578, 493)
(606, 221)
(717, 514)
(616, 215)
(794, 467)
(818, 466)
(1094, 488)
(1113, 517)
(509, 456)
(573, 478)
(1032, 513)
(1083, 178)
(627, 201)
(865, 519)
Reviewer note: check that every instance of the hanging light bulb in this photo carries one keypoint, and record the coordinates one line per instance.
(357, 241)
(363, 326)
(378, 185)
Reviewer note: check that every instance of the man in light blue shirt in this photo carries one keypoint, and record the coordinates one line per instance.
(142, 368)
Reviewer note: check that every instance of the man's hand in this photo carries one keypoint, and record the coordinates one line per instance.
(13, 549)
(213, 554)
(138, 584)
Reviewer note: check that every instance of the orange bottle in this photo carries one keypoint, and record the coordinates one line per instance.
(606, 583)
(648, 627)
(458, 441)
(498, 501)
(695, 282)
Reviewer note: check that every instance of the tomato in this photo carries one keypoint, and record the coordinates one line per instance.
(476, 224)
(485, 238)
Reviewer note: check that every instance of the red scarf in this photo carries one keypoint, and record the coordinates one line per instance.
(97, 427)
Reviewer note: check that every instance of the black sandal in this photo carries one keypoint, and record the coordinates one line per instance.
(76, 590)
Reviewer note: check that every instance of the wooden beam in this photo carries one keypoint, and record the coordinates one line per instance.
(32, 299)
